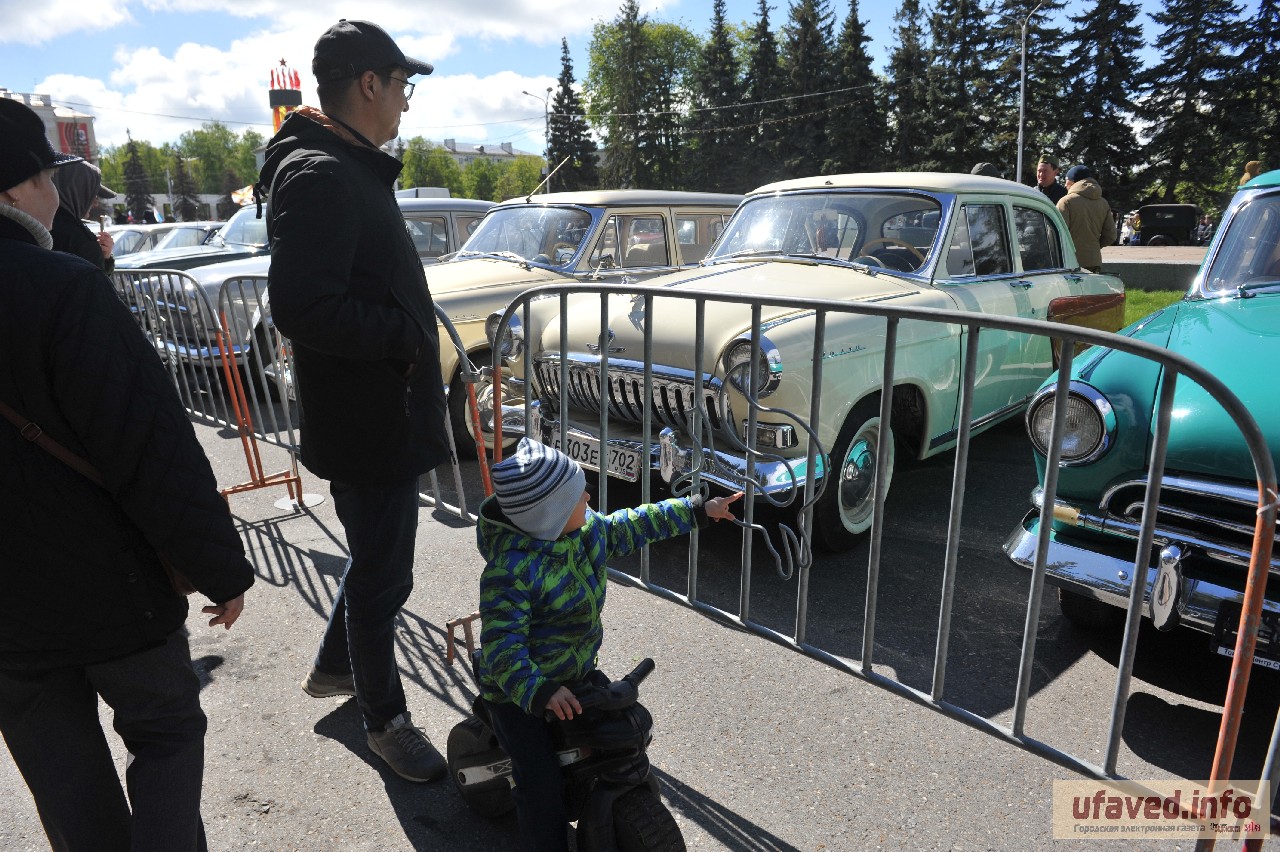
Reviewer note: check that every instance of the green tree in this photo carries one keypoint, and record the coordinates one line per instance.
(426, 164)
(480, 179)
(1103, 69)
(569, 136)
(958, 81)
(1257, 109)
(1186, 95)
(137, 184)
(763, 110)
(857, 128)
(186, 206)
(211, 148)
(807, 62)
(226, 204)
(907, 90)
(616, 91)
(245, 155)
(518, 178)
(716, 138)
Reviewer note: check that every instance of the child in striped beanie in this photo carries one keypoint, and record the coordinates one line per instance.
(541, 594)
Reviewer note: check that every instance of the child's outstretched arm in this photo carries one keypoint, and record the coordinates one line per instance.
(717, 508)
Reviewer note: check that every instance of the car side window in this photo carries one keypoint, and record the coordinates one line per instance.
(646, 242)
(429, 234)
(1039, 245)
(697, 232)
(979, 245)
(605, 252)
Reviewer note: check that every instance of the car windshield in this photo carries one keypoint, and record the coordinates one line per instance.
(891, 230)
(183, 237)
(1249, 256)
(243, 229)
(545, 235)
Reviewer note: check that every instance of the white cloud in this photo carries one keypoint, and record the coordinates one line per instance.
(41, 22)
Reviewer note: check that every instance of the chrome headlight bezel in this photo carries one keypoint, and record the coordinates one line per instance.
(739, 352)
(507, 342)
(1089, 439)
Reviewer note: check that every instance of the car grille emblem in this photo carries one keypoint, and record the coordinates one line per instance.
(612, 350)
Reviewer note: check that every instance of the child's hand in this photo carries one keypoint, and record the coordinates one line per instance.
(718, 507)
(564, 704)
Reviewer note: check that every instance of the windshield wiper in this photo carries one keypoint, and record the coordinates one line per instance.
(1245, 290)
(747, 253)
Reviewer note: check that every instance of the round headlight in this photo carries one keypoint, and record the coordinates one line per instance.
(1087, 430)
(737, 365)
(508, 340)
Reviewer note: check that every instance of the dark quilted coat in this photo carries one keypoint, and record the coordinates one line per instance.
(81, 582)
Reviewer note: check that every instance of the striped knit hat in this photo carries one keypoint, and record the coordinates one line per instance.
(538, 488)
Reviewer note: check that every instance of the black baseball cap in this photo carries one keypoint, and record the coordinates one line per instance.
(349, 48)
(24, 148)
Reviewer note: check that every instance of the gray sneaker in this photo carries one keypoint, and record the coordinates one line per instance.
(321, 685)
(407, 750)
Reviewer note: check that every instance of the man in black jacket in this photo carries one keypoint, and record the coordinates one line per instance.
(347, 288)
(87, 609)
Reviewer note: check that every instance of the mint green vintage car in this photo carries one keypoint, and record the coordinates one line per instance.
(1229, 322)
(950, 241)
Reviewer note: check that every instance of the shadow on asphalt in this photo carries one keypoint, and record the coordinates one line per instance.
(733, 830)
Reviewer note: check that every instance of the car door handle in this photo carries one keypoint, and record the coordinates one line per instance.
(1025, 285)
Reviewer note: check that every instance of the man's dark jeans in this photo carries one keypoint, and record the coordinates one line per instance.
(539, 790)
(380, 523)
(50, 722)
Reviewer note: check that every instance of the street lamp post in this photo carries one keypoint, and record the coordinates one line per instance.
(546, 130)
(1022, 95)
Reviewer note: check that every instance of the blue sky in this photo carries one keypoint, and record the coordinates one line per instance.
(160, 67)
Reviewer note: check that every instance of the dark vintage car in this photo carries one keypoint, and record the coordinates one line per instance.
(1168, 224)
(244, 235)
(1229, 323)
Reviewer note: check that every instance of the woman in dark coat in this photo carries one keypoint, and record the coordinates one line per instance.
(88, 611)
(79, 184)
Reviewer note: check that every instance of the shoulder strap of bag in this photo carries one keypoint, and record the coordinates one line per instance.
(37, 436)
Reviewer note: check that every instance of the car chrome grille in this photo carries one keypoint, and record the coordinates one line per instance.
(672, 400)
(1202, 510)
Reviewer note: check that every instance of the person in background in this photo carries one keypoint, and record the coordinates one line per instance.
(79, 184)
(88, 609)
(986, 169)
(1088, 217)
(1047, 179)
(1252, 169)
(347, 288)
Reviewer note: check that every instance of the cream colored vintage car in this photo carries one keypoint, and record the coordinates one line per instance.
(949, 241)
(557, 238)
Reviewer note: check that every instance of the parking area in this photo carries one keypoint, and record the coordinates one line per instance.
(757, 747)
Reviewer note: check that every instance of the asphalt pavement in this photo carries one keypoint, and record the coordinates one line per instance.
(757, 747)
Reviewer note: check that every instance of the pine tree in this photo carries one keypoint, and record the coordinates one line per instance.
(1186, 96)
(763, 108)
(1103, 70)
(570, 136)
(186, 204)
(669, 50)
(907, 90)
(958, 84)
(716, 137)
(618, 52)
(806, 62)
(1257, 109)
(1049, 110)
(137, 186)
(857, 128)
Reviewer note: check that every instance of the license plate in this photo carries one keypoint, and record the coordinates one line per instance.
(623, 463)
(1227, 627)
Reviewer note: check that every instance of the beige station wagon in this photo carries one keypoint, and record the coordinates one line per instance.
(948, 241)
(522, 243)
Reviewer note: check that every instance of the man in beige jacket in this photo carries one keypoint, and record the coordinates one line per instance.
(1088, 217)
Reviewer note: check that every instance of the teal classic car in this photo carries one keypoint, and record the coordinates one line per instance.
(1229, 322)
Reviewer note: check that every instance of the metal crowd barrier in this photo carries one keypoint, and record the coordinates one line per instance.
(232, 369)
(1066, 336)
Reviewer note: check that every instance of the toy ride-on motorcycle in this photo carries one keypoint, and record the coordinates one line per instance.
(609, 789)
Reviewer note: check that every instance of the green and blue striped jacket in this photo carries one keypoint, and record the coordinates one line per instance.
(540, 601)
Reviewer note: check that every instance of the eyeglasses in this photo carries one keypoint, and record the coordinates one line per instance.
(408, 87)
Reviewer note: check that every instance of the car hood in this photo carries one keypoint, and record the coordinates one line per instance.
(480, 273)
(1236, 340)
(214, 275)
(675, 321)
(181, 258)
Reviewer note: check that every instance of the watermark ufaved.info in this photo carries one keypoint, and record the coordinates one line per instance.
(1238, 810)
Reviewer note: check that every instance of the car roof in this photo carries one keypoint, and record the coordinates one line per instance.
(928, 181)
(630, 198)
(1271, 178)
(460, 205)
